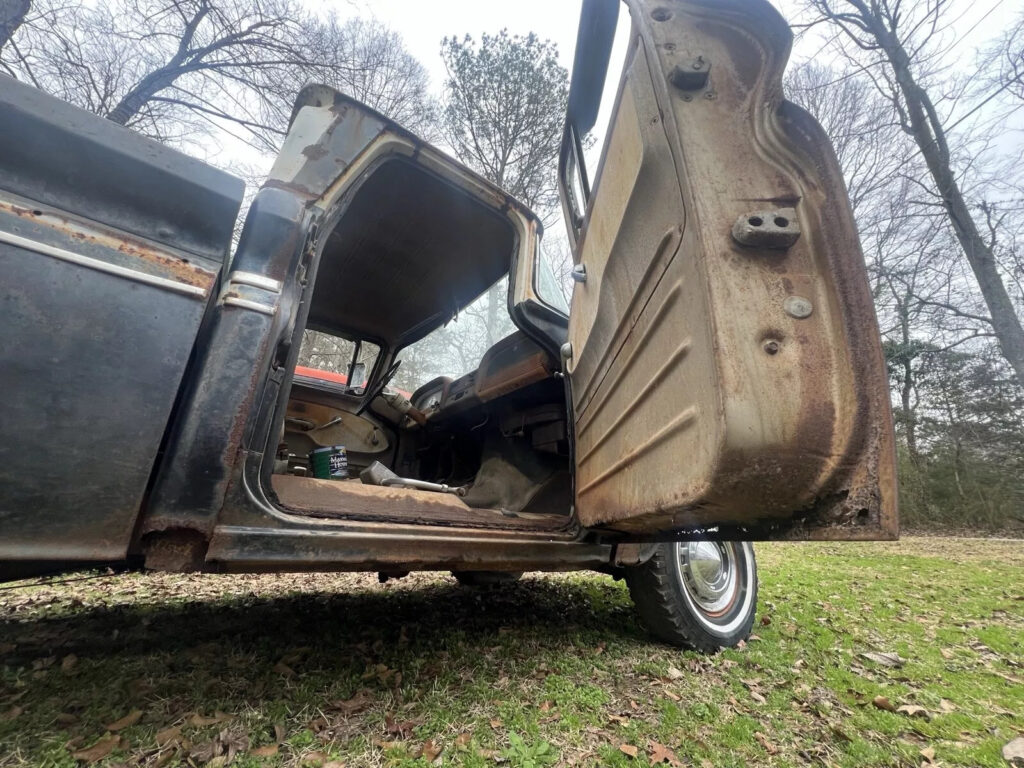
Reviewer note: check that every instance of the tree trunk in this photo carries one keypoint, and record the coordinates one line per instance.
(930, 138)
(906, 392)
(12, 14)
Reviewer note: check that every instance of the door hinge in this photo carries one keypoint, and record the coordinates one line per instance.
(579, 273)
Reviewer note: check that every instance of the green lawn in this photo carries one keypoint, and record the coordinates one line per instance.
(339, 670)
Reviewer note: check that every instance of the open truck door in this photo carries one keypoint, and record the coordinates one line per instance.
(723, 353)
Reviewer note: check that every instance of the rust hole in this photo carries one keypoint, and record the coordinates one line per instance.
(661, 14)
(669, 46)
(755, 221)
(781, 221)
(37, 213)
(863, 516)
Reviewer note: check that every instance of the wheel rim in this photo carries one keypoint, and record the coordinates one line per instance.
(715, 577)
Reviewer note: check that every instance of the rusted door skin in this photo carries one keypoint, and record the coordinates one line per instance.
(726, 365)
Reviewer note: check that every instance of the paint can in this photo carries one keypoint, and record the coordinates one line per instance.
(329, 462)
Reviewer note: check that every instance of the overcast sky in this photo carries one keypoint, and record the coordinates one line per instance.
(424, 23)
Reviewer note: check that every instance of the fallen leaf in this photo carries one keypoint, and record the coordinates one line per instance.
(761, 739)
(279, 732)
(883, 703)
(661, 754)
(674, 674)
(496, 723)
(168, 736)
(359, 702)
(388, 744)
(913, 710)
(628, 749)
(66, 718)
(946, 706)
(884, 659)
(11, 713)
(758, 697)
(68, 662)
(334, 764)
(766, 621)
(284, 670)
(401, 729)
(946, 653)
(673, 696)
(313, 758)
(99, 750)
(1013, 751)
(463, 739)
(268, 750)
(125, 722)
(430, 750)
(928, 753)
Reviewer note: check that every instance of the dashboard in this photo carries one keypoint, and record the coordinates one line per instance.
(513, 363)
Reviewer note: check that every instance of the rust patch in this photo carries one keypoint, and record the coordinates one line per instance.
(315, 151)
(179, 268)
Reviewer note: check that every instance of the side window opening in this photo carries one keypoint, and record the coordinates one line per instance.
(336, 360)
(582, 154)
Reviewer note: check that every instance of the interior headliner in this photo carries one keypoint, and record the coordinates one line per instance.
(408, 253)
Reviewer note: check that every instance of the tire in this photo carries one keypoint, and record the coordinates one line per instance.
(697, 594)
(486, 578)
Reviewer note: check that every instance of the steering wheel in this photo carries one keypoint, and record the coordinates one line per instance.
(374, 393)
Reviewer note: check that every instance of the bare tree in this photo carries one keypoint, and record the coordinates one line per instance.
(891, 43)
(363, 59)
(179, 70)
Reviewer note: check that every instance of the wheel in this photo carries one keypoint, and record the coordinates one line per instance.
(699, 594)
(486, 578)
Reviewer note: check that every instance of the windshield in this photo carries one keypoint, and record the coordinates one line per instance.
(457, 347)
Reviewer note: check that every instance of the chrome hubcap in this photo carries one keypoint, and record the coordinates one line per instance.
(708, 570)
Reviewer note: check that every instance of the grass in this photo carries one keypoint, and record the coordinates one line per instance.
(335, 670)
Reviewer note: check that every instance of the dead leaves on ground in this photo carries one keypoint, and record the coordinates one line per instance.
(656, 753)
(98, 750)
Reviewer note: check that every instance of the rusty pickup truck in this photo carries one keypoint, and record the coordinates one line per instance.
(716, 378)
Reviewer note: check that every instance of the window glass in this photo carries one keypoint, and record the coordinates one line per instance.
(455, 349)
(330, 359)
(593, 143)
(552, 260)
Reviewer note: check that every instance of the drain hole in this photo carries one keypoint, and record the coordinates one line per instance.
(755, 221)
(781, 221)
(661, 14)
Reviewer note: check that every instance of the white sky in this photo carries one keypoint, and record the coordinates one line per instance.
(424, 23)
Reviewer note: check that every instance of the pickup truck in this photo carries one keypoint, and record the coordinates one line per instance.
(717, 377)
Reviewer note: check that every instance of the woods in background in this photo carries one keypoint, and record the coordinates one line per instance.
(928, 131)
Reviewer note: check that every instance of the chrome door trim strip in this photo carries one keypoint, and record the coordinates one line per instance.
(255, 280)
(101, 266)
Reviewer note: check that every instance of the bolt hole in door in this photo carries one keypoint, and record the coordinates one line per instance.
(781, 221)
(661, 14)
(755, 221)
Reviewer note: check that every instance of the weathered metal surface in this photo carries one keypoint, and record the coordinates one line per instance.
(706, 397)
(237, 352)
(109, 251)
(77, 162)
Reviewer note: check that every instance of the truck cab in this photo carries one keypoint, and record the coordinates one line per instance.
(715, 378)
